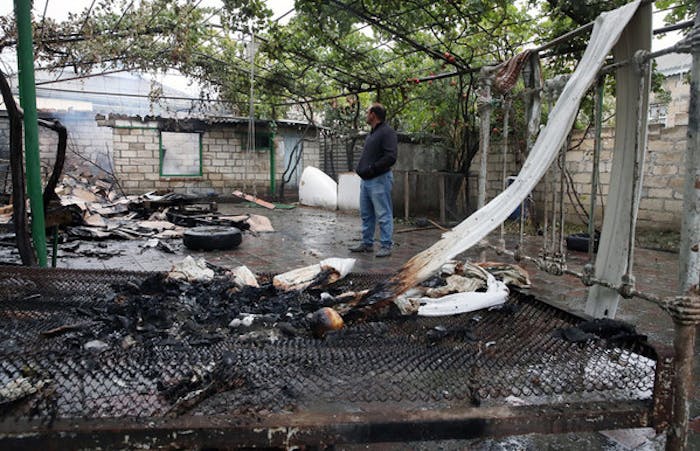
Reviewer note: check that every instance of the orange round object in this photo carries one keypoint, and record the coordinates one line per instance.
(325, 320)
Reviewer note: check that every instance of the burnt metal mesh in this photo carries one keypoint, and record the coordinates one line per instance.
(47, 371)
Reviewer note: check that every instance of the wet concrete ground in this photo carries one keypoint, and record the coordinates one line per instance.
(303, 236)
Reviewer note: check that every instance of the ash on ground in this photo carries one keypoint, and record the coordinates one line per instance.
(171, 312)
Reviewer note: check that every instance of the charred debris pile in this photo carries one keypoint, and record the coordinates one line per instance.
(95, 209)
(200, 304)
(265, 342)
(197, 304)
(176, 309)
(167, 312)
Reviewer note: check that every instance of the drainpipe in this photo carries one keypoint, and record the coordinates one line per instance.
(27, 99)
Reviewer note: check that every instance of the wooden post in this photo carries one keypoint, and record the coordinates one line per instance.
(406, 197)
(441, 187)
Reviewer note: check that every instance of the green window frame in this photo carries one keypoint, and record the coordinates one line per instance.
(180, 154)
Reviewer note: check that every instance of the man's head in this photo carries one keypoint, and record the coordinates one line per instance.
(376, 114)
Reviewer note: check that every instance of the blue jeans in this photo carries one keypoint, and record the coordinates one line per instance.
(375, 207)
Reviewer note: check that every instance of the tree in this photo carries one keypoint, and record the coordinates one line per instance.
(678, 11)
(389, 51)
(419, 57)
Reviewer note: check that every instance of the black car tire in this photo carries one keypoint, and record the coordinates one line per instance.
(210, 238)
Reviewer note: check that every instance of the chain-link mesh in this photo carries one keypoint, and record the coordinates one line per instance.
(69, 350)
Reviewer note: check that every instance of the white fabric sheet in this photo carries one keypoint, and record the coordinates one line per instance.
(606, 31)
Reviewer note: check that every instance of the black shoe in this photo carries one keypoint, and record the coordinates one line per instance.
(383, 252)
(362, 248)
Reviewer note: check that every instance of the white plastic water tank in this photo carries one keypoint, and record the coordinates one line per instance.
(317, 189)
(349, 191)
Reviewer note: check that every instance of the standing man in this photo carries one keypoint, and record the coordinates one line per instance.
(374, 167)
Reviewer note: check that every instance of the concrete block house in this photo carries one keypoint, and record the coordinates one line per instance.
(206, 156)
(116, 131)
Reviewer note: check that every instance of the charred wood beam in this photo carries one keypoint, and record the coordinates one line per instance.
(50, 189)
(19, 203)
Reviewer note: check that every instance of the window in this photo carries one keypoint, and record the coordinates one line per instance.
(262, 141)
(658, 113)
(180, 154)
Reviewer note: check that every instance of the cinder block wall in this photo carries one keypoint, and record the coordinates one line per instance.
(661, 205)
(225, 165)
(312, 154)
(89, 147)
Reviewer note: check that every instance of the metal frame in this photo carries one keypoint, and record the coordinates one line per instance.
(321, 428)
(355, 423)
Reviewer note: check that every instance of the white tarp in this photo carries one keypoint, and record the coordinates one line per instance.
(606, 31)
(453, 304)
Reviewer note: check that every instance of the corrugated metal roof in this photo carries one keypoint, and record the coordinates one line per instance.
(674, 63)
(93, 94)
(210, 119)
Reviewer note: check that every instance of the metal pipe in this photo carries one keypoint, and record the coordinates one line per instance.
(504, 156)
(555, 202)
(683, 342)
(25, 61)
(565, 37)
(685, 311)
(545, 179)
(599, 93)
(676, 48)
(538, 261)
(562, 175)
(484, 107)
(674, 27)
(690, 227)
(637, 174)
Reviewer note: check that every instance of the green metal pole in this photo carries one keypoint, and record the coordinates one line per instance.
(27, 99)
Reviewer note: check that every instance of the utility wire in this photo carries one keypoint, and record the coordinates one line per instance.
(341, 48)
(312, 100)
(125, 94)
(448, 74)
(393, 84)
(284, 15)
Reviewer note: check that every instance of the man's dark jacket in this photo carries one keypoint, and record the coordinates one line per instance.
(379, 152)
